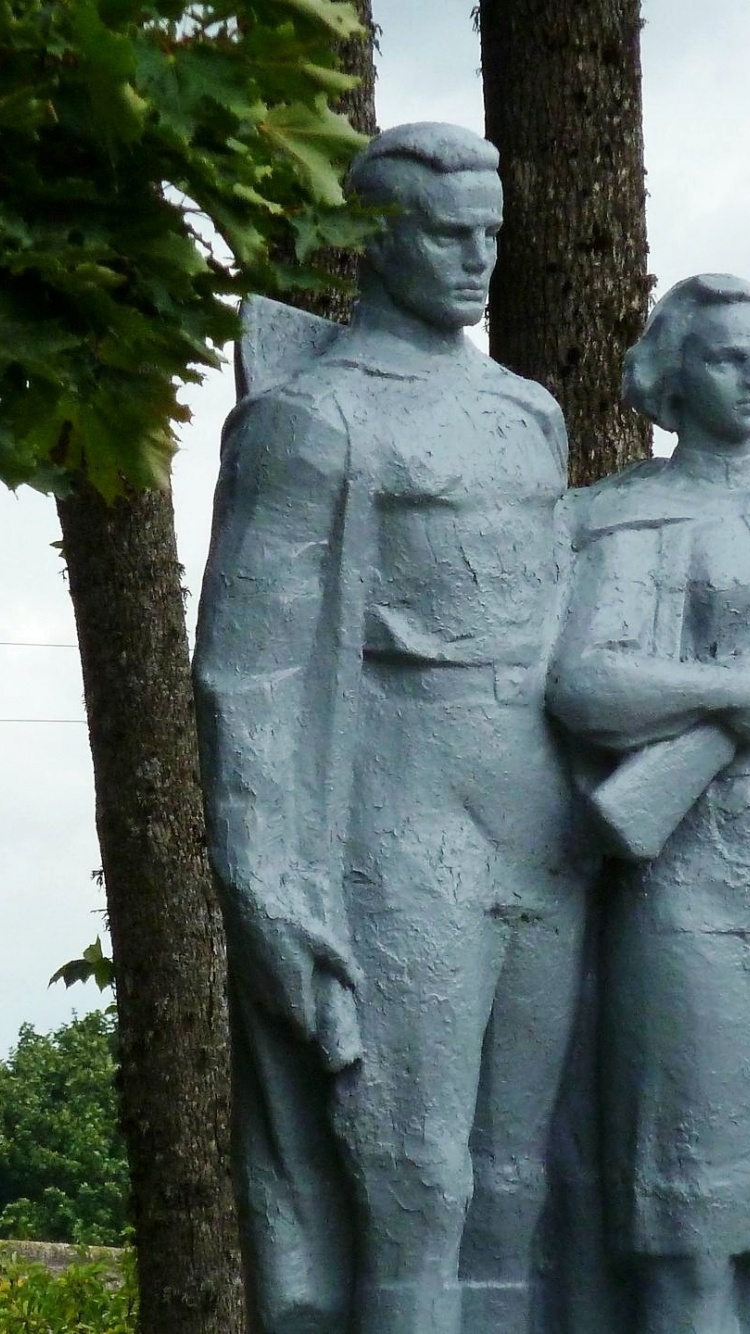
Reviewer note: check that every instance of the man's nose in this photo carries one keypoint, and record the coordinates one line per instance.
(475, 253)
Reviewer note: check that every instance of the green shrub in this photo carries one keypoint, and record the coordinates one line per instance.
(63, 1175)
(89, 1297)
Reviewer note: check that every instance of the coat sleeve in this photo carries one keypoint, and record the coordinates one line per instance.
(555, 431)
(265, 651)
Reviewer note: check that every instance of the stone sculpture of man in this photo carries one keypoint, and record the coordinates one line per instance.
(388, 816)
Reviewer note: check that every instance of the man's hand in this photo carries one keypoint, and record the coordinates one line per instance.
(337, 1025)
(288, 958)
(298, 972)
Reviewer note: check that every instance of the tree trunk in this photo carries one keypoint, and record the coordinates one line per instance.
(357, 58)
(562, 83)
(167, 935)
(166, 928)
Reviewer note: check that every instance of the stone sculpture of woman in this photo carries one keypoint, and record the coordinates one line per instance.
(652, 678)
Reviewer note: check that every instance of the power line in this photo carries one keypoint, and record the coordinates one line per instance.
(79, 721)
(20, 643)
(24, 722)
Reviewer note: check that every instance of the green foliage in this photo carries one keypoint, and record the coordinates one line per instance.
(63, 1174)
(91, 1297)
(94, 963)
(123, 126)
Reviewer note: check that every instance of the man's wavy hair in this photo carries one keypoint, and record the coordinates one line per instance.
(384, 173)
(653, 367)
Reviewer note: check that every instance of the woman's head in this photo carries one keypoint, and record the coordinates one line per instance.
(692, 362)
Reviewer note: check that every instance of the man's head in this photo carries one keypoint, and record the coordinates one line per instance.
(435, 257)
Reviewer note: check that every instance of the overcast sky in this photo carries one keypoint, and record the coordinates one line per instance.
(696, 59)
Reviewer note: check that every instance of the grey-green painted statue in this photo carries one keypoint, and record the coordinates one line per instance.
(389, 815)
(653, 672)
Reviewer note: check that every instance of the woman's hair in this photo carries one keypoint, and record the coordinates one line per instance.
(651, 376)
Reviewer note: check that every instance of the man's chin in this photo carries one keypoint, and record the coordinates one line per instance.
(475, 318)
(470, 311)
(461, 317)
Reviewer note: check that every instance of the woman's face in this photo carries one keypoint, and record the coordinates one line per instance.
(715, 381)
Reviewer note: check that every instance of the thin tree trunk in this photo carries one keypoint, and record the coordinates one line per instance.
(562, 83)
(357, 58)
(167, 935)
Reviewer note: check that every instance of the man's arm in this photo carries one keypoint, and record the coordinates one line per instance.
(263, 656)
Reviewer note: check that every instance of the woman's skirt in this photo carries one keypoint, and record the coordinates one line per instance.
(675, 1038)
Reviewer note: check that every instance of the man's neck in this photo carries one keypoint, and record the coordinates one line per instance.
(392, 333)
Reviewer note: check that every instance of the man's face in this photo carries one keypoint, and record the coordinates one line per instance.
(436, 261)
(716, 372)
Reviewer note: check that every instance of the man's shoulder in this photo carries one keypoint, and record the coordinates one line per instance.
(526, 393)
(312, 393)
(300, 418)
(531, 400)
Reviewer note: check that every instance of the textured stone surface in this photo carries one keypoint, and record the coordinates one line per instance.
(390, 816)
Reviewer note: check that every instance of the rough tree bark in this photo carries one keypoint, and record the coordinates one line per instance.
(167, 937)
(357, 58)
(562, 85)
